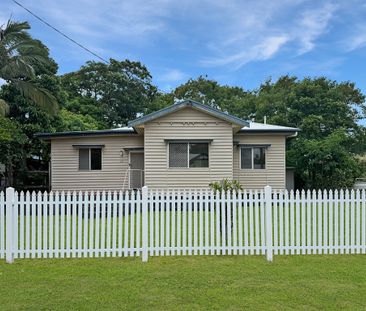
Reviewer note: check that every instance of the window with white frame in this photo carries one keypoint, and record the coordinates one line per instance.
(90, 159)
(252, 157)
(188, 154)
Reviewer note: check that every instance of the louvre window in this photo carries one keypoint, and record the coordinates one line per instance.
(90, 159)
(253, 158)
(188, 155)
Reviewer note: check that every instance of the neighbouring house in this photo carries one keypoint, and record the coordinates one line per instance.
(186, 145)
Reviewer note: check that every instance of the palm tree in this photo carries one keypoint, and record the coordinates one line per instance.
(19, 53)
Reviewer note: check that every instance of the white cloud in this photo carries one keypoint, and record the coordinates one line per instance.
(259, 31)
(313, 23)
(357, 41)
(173, 75)
(264, 50)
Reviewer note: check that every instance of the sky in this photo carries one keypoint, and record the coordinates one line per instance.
(238, 43)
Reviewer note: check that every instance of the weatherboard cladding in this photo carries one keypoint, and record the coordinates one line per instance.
(274, 174)
(187, 123)
(65, 163)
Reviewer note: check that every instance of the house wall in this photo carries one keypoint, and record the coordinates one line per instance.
(187, 123)
(65, 174)
(275, 172)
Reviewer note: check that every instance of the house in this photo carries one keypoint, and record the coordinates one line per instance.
(186, 145)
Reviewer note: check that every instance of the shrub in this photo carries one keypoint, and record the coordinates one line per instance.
(226, 185)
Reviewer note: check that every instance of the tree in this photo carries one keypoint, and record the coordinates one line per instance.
(326, 111)
(19, 53)
(77, 122)
(234, 100)
(118, 91)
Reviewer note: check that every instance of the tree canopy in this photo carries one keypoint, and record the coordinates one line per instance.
(98, 96)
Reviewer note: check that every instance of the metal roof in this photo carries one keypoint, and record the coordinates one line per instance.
(247, 127)
(255, 127)
(116, 131)
(188, 103)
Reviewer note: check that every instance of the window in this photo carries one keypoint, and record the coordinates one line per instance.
(90, 159)
(253, 158)
(188, 155)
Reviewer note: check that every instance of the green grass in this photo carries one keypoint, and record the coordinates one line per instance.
(185, 283)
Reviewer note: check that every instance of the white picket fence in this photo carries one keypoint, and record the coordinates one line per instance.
(163, 223)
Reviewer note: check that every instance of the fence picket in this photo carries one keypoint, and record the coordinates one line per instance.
(341, 221)
(27, 224)
(99, 198)
(235, 222)
(275, 222)
(363, 222)
(132, 224)
(352, 222)
(251, 222)
(76, 201)
(207, 224)
(297, 223)
(2, 224)
(303, 222)
(223, 222)
(184, 223)
(358, 218)
(330, 224)
(308, 222)
(167, 223)
(138, 223)
(21, 225)
(126, 213)
(179, 222)
(173, 204)
(218, 219)
(86, 225)
(315, 219)
(336, 222)
(228, 222)
(195, 224)
(189, 206)
(212, 223)
(201, 213)
(240, 221)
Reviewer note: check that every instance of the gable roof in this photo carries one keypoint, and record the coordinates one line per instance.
(188, 103)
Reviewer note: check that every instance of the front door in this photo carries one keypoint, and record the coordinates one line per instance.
(136, 170)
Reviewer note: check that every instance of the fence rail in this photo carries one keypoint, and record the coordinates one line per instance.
(162, 223)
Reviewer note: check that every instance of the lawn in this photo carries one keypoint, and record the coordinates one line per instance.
(185, 283)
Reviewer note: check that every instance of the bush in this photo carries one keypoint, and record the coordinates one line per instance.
(226, 185)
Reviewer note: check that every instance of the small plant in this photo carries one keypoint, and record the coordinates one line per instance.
(226, 185)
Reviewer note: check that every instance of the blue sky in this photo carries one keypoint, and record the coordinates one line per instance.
(235, 42)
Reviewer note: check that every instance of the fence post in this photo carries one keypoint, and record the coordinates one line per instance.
(268, 223)
(10, 222)
(144, 224)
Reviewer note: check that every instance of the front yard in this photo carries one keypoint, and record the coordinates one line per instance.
(185, 283)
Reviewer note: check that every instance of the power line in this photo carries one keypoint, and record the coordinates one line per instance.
(66, 36)
(61, 33)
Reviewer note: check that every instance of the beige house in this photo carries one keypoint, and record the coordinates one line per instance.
(186, 145)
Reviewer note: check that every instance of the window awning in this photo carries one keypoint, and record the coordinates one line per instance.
(253, 145)
(88, 146)
(203, 141)
(133, 148)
